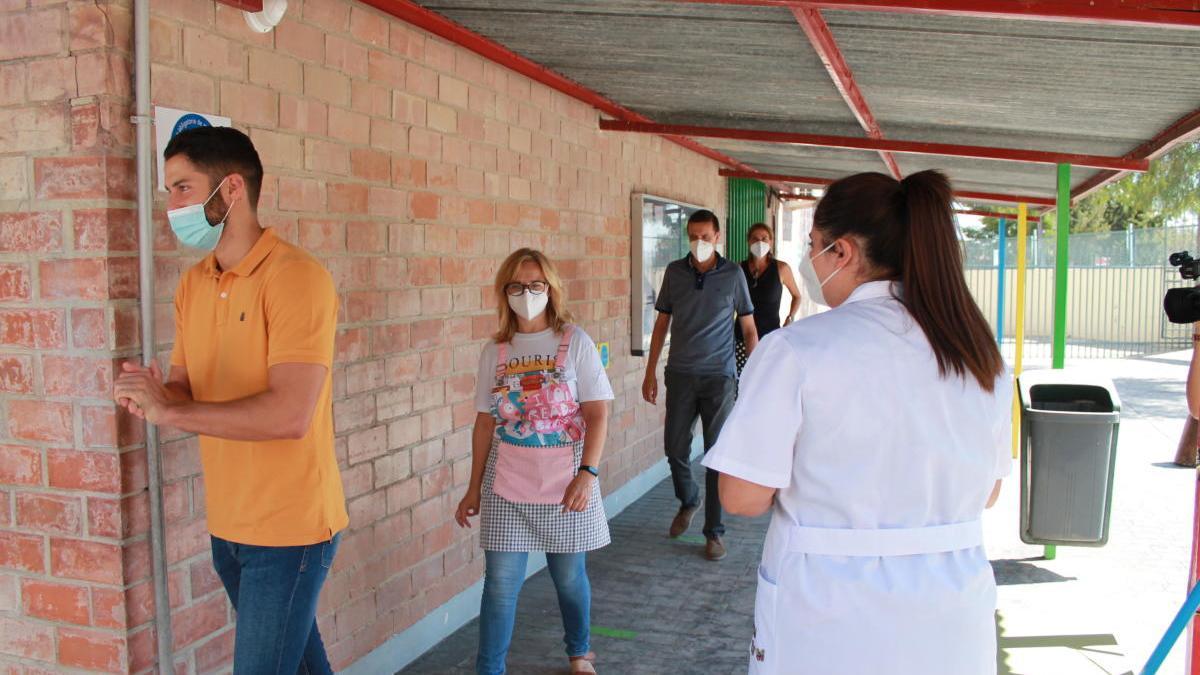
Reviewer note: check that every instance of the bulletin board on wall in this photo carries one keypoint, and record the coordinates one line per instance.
(659, 236)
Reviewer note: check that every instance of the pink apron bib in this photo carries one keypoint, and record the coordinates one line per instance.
(541, 404)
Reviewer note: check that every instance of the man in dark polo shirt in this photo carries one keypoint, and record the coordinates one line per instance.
(699, 294)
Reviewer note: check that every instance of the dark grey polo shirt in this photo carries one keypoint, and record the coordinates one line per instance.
(702, 307)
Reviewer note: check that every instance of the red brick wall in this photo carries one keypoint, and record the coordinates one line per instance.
(411, 167)
(71, 478)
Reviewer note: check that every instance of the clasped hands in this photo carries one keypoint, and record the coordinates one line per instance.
(141, 391)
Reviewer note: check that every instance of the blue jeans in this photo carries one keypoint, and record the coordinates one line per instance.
(274, 591)
(502, 580)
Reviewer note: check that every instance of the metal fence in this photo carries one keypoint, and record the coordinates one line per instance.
(1116, 282)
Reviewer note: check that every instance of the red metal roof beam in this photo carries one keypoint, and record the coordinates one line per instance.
(1160, 13)
(445, 28)
(1182, 14)
(969, 195)
(776, 177)
(822, 40)
(993, 214)
(906, 147)
(246, 5)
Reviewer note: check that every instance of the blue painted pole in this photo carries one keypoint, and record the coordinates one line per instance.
(1000, 284)
(1190, 605)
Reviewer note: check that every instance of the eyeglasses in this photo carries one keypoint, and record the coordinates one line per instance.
(535, 287)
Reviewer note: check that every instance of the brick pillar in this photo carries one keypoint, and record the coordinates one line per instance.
(72, 489)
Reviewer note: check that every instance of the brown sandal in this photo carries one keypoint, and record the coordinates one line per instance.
(583, 664)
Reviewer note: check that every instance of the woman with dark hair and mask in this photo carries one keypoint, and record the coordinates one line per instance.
(766, 277)
(876, 433)
(542, 402)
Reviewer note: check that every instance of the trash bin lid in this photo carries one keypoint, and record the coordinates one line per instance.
(1067, 377)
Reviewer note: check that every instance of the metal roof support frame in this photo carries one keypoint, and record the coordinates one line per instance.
(1184, 14)
(968, 195)
(991, 214)
(906, 147)
(825, 44)
(1184, 129)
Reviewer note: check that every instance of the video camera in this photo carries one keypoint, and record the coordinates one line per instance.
(1183, 304)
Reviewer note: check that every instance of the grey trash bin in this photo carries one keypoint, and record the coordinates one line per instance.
(1069, 423)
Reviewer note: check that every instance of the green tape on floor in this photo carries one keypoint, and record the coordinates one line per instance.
(692, 539)
(614, 633)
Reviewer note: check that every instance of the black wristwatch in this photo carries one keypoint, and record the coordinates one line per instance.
(590, 469)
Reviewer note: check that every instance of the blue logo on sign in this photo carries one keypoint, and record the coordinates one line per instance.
(189, 121)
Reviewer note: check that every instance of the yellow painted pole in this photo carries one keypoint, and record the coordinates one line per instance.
(1019, 333)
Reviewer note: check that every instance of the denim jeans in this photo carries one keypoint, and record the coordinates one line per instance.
(502, 580)
(274, 591)
(709, 397)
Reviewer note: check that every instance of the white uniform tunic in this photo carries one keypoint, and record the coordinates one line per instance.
(873, 561)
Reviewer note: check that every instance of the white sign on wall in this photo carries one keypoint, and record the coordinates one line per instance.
(169, 121)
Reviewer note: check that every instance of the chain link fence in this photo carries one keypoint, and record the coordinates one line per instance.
(1116, 282)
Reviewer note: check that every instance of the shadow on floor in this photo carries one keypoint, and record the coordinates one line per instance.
(1011, 572)
(1173, 465)
(1099, 650)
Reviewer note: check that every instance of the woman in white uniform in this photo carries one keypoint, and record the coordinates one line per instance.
(877, 433)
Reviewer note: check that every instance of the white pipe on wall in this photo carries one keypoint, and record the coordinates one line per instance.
(145, 203)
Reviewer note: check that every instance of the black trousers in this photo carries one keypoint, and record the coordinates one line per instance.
(710, 397)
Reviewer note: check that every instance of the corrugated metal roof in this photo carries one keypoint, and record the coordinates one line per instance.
(1100, 90)
(669, 60)
(1044, 84)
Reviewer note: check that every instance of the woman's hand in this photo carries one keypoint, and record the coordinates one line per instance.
(578, 493)
(469, 506)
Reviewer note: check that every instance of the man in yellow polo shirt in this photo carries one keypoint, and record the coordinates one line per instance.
(250, 373)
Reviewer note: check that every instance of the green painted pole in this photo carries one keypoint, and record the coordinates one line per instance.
(1061, 270)
(1061, 258)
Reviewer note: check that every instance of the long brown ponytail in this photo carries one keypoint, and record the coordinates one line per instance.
(909, 235)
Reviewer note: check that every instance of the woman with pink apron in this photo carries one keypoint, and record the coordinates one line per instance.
(542, 402)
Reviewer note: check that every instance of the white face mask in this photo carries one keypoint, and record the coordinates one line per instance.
(812, 285)
(528, 305)
(702, 250)
(760, 249)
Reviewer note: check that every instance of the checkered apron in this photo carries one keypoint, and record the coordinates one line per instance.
(511, 526)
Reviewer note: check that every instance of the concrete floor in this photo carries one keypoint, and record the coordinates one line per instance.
(660, 607)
